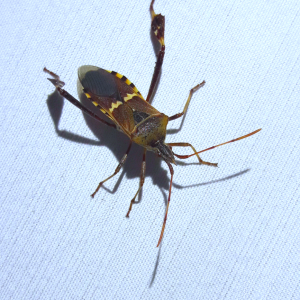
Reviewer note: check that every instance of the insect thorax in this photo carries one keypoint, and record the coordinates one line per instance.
(150, 131)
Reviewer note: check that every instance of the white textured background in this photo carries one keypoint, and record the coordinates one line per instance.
(233, 232)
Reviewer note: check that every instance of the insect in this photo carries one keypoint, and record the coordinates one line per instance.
(123, 104)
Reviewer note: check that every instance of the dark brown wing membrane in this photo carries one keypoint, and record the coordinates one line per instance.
(98, 82)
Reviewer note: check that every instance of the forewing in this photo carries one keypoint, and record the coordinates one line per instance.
(98, 82)
(116, 96)
(100, 86)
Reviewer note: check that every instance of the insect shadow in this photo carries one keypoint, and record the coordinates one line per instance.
(118, 142)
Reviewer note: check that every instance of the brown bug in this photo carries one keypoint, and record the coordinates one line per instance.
(123, 104)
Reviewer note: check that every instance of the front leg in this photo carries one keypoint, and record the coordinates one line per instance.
(195, 153)
(158, 28)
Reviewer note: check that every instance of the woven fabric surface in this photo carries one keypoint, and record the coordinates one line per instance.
(232, 231)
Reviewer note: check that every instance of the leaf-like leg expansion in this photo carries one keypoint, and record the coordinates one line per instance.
(158, 28)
